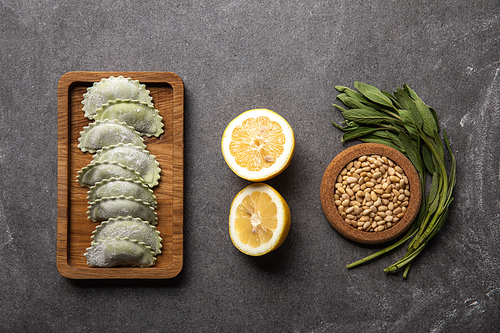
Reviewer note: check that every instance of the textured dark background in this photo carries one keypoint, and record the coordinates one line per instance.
(234, 56)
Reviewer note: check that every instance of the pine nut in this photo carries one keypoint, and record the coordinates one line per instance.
(393, 179)
(371, 193)
(351, 180)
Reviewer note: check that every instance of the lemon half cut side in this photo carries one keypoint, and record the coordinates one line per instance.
(258, 144)
(259, 220)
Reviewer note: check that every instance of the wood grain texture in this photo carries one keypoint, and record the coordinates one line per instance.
(74, 229)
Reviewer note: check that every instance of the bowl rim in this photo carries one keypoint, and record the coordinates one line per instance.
(327, 191)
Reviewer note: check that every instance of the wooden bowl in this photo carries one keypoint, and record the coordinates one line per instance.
(328, 191)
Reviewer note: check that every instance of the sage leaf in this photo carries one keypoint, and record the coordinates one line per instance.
(427, 159)
(410, 150)
(350, 102)
(409, 123)
(364, 116)
(358, 132)
(428, 123)
(375, 139)
(407, 103)
(433, 198)
(373, 94)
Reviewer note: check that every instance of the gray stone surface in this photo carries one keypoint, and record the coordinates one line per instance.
(234, 56)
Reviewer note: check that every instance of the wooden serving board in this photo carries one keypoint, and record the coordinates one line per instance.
(74, 229)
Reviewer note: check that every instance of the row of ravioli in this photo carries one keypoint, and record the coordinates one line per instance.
(122, 173)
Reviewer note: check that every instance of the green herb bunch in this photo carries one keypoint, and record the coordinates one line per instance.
(404, 122)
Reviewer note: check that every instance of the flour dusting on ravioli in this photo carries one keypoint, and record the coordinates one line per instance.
(122, 187)
(141, 116)
(111, 89)
(113, 252)
(106, 208)
(108, 132)
(134, 157)
(133, 228)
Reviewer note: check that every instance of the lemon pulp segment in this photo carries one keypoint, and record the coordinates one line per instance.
(259, 219)
(257, 143)
(256, 219)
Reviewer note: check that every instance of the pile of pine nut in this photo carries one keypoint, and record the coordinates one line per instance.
(372, 193)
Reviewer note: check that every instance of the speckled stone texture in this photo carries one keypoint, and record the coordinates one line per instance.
(233, 56)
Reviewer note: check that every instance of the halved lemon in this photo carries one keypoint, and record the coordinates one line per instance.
(258, 144)
(259, 220)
